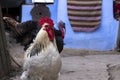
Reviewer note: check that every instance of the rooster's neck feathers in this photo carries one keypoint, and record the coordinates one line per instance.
(41, 43)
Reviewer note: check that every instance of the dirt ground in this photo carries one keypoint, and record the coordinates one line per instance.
(76, 64)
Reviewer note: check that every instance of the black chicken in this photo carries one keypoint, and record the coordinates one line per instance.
(25, 32)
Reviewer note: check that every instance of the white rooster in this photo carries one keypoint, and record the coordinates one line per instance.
(42, 59)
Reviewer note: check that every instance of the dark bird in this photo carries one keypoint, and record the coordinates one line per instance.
(25, 32)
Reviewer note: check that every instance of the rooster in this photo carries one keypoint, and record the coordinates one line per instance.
(25, 32)
(42, 59)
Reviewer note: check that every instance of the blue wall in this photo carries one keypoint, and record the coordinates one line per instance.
(104, 38)
(27, 8)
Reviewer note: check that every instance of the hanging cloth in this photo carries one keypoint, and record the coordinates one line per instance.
(84, 15)
(116, 9)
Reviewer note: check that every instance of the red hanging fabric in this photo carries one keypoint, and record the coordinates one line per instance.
(116, 7)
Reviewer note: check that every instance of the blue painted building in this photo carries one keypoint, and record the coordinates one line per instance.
(104, 38)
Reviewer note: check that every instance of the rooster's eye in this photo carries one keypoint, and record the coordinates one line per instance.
(46, 26)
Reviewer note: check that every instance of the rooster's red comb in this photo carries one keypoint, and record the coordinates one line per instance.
(46, 20)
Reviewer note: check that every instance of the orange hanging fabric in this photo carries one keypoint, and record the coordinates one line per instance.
(84, 15)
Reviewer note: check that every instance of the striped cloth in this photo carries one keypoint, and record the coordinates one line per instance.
(116, 7)
(84, 15)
